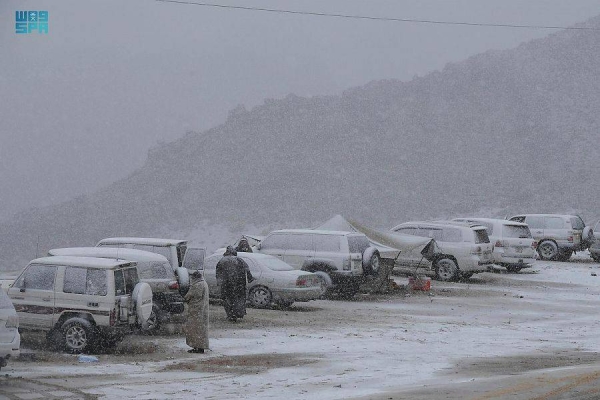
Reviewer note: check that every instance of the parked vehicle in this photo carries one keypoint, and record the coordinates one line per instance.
(514, 247)
(153, 269)
(465, 249)
(10, 339)
(595, 246)
(274, 281)
(173, 249)
(340, 258)
(81, 302)
(558, 236)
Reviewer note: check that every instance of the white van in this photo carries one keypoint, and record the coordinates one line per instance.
(81, 302)
(465, 249)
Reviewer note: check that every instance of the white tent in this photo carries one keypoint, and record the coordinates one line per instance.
(388, 243)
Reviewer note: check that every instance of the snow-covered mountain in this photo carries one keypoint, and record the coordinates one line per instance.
(504, 131)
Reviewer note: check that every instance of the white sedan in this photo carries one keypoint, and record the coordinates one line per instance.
(274, 281)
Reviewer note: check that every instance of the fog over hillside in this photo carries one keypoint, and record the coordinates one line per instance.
(502, 132)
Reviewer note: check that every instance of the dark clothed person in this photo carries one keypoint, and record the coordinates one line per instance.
(232, 276)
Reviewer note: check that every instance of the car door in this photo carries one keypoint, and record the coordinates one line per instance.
(556, 228)
(255, 270)
(536, 226)
(300, 249)
(33, 296)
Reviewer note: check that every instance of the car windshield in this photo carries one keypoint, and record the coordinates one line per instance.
(481, 236)
(274, 264)
(516, 231)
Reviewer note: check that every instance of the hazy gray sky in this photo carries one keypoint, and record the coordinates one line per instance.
(82, 105)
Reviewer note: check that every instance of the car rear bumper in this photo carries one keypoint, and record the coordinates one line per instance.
(12, 348)
(297, 294)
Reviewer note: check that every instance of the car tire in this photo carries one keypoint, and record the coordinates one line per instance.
(564, 255)
(260, 297)
(446, 270)
(371, 261)
(152, 325)
(513, 269)
(78, 335)
(547, 250)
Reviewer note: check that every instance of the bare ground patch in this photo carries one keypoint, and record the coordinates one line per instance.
(243, 364)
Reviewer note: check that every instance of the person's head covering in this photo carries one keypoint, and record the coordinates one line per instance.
(230, 251)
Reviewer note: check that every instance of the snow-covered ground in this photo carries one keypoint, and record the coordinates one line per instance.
(494, 325)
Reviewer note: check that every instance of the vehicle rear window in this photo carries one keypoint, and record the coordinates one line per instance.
(577, 223)
(85, 281)
(5, 302)
(358, 244)
(516, 231)
(481, 236)
(155, 270)
(125, 281)
(272, 263)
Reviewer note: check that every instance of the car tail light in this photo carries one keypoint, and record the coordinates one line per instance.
(301, 281)
(534, 244)
(476, 250)
(174, 285)
(347, 265)
(499, 243)
(112, 318)
(570, 239)
(12, 321)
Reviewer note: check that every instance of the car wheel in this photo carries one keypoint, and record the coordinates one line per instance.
(564, 255)
(548, 250)
(152, 325)
(371, 261)
(260, 297)
(513, 269)
(77, 336)
(285, 304)
(446, 270)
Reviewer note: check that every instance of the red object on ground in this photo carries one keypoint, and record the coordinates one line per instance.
(420, 283)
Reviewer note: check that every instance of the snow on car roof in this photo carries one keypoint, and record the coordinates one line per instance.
(87, 262)
(492, 220)
(545, 215)
(441, 224)
(318, 232)
(109, 252)
(147, 241)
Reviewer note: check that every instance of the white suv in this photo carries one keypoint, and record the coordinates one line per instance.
(558, 236)
(340, 258)
(514, 247)
(465, 249)
(81, 302)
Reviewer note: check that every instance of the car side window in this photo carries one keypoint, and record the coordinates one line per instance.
(276, 241)
(301, 242)
(535, 222)
(554, 223)
(451, 235)
(39, 277)
(329, 243)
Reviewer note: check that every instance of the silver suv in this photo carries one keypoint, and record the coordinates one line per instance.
(558, 235)
(81, 302)
(465, 249)
(340, 258)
